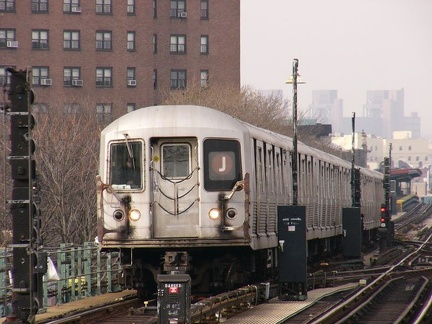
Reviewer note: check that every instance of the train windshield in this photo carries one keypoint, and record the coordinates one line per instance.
(222, 167)
(126, 165)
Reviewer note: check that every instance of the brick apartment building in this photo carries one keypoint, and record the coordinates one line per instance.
(119, 55)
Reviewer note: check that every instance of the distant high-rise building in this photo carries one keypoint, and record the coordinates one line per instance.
(383, 114)
(326, 108)
(117, 56)
(387, 106)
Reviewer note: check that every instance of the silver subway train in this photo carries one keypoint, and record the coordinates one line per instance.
(193, 179)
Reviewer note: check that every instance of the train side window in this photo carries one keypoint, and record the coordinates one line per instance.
(259, 171)
(222, 166)
(126, 165)
(176, 160)
(278, 174)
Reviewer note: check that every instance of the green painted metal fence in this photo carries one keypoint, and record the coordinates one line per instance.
(74, 272)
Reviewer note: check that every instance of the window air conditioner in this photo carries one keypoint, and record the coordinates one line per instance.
(77, 83)
(46, 82)
(131, 83)
(12, 44)
(76, 9)
(183, 14)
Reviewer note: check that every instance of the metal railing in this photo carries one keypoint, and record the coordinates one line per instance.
(74, 272)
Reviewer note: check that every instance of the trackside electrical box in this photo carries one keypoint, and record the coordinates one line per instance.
(352, 232)
(292, 252)
(174, 293)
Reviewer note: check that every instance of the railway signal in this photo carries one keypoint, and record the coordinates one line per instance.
(357, 188)
(386, 177)
(385, 216)
(29, 264)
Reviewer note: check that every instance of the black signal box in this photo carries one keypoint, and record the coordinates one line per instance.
(174, 293)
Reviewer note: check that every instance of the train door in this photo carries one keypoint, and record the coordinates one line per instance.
(175, 187)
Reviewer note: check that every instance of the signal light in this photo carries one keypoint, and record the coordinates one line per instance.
(385, 217)
(22, 144)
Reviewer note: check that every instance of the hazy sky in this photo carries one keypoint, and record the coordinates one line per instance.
(347, 45)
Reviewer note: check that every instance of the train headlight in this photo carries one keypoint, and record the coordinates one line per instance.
(214, 214)
(231, 213)
(118, 215)
(134, 215)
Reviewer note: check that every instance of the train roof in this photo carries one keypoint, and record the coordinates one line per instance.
(173, 116)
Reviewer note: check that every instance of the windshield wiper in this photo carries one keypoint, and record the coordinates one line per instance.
(130, 150)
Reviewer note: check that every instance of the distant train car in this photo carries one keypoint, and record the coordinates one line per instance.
(190, 178)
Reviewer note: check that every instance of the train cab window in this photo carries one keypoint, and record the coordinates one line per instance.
(222, 167)
(126, 165)
(176, 160)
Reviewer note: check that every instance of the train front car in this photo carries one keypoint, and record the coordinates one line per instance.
(171, 178)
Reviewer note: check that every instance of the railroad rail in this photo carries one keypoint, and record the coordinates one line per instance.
(353, 308)
(416, 214)
(224, 305)
(400, 294)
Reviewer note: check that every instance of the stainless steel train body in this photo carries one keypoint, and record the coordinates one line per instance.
(195, 179)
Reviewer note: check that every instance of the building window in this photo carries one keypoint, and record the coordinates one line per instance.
(72, 108)
(409, 148)
(130, 107)
(400, 148)
(204, 78)
(71, 6)
(177, 7)
(104, 77)
(155, 79)
(154, 43)
(154, 8)
(39, 6)
(104, 112)
(40, 108)
(409, 158)
(130, 7)
(417, 158)
(103, 40)
(70, 74)
(204, 48)
(178, 79)
(131, 78)
(6, 37)
(130, 41)
(178, 44)
(7, 5)
(71, 39)
(204, 9)
(39, 73)
(103, 7)
(4, 76)
(40, 39)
